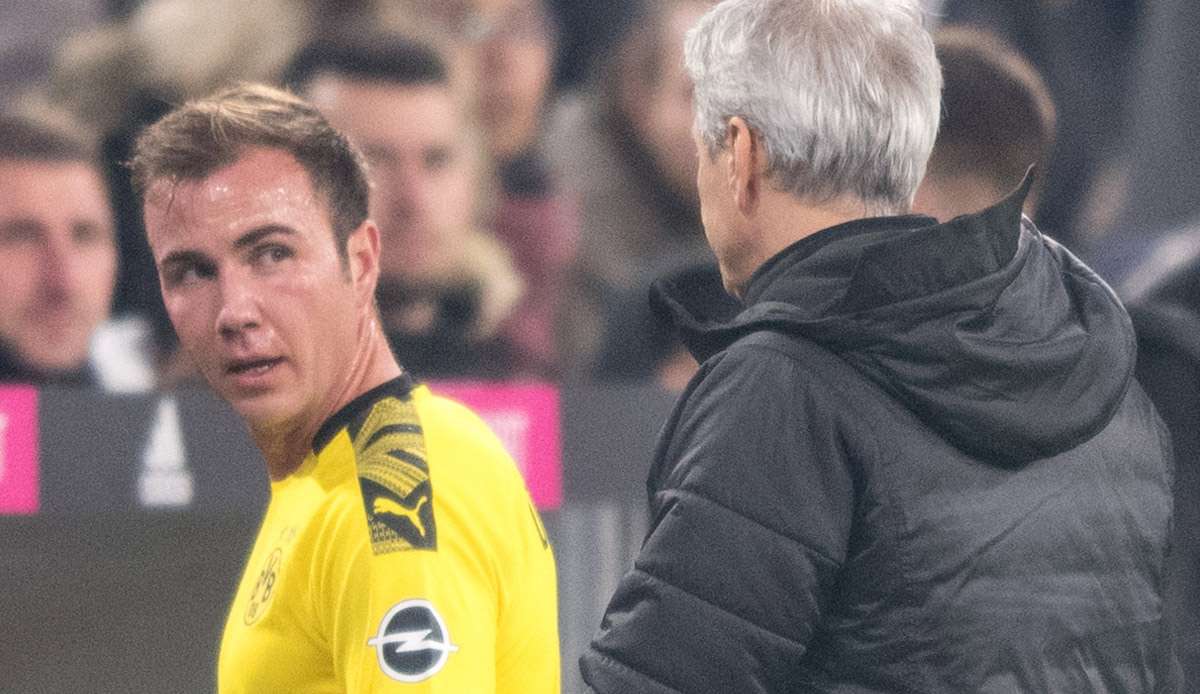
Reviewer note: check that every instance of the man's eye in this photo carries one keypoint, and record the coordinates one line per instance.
(183, 275)
(12, 234)
(377, 153)
(272, 254)
(88, 234)
(438, 158)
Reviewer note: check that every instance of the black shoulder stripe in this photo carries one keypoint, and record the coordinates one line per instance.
(394, 477)
(398, 428)
(350, 416)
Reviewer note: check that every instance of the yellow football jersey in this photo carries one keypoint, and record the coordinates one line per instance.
(403, 555)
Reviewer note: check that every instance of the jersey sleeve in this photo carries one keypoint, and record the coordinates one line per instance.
(527, 645)
(442, 583)
(527, 655)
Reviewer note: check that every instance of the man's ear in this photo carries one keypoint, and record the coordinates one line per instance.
(362, 257)
(747, 163)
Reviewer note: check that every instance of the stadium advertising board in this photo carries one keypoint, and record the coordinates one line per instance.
(18, 451)
(525, 417)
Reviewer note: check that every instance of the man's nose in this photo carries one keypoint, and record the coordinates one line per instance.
(239, 305)
(407, 189)
(60, 267)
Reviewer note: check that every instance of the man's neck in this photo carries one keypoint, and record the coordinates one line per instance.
(285, 446)
(782, 220)
(283, 449)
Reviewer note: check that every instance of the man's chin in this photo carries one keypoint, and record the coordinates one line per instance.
(262, 411)
(57, 363)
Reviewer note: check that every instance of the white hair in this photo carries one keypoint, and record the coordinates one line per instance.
(846, 94)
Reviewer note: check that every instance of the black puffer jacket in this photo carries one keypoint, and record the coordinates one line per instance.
(916, 462)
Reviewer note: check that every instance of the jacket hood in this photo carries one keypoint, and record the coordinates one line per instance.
(991, 333)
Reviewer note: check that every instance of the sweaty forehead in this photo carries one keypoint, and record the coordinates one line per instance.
(264, 186)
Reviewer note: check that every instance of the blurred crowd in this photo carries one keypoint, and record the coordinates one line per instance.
(533, 172)
(533, 163)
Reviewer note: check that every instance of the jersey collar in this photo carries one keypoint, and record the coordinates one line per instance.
(399, 387)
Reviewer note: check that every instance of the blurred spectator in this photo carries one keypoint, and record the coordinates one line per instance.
(1153, 257)
(447, 288)
(1156, 195)
(59, 263)
(1083, 49)
(1163, 297)
(625, 149)
(997, 121)
(512, 43)
(515, 44)
(508, 47)
(587, 32)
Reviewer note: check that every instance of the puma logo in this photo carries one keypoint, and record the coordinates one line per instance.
(384, 505)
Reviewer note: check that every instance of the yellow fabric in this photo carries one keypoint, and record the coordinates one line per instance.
(461, 541)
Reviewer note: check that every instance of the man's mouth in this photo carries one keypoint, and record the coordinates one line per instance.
(253, 367)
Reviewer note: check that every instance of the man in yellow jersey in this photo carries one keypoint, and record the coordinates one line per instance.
(400, 551)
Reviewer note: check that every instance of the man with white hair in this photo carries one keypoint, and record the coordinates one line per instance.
(917, 461)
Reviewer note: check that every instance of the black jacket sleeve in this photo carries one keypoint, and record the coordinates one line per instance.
(752, 498)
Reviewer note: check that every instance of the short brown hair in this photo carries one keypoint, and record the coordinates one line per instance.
(998, 117)
(204, 135)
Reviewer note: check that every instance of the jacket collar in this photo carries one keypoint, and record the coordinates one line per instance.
(845, 269)
(886, 260)
(991, 333)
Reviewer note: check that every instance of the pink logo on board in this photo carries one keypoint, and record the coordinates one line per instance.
(525, 419)
(18, 451)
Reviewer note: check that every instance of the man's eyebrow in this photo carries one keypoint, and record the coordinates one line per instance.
(259, 233)
(184, 258)
(16, 224)
(92, 225)
(192, 257)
